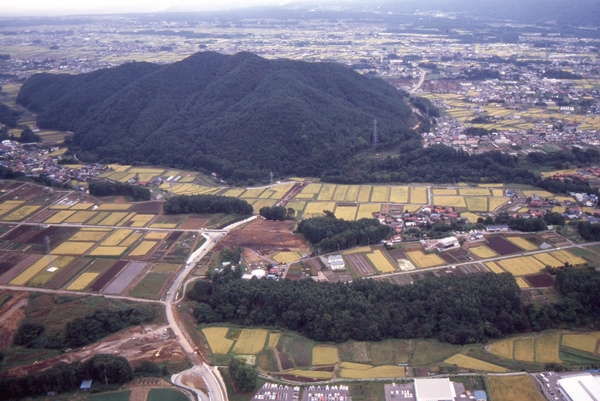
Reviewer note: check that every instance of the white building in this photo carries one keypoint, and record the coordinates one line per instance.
(434, 390)
(336, 262)
(584, 387)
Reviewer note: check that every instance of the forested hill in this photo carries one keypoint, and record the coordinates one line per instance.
(240, 115)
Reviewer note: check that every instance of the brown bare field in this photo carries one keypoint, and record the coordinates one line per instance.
(266, 235)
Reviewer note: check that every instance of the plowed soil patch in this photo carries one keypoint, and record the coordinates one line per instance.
(265, 235)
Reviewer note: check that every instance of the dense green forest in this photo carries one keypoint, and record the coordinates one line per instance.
(8, 116)
(206, 204)
(83, 331)
(454, 309)
(328, 233)
(107, 188)
(63, 377)
(240, 116)
(277, 213)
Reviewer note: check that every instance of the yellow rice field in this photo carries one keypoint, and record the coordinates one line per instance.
(494, 267)
(127, 242)
(360, 249)
(495, 203)
(157, 235)
(422, 260)
(352, 194)
(522, 243)
(260, 203)
(298, 206)
(287, 257)
(497, 192)
(43, 276)
(323, 355)
(474, 191)
(273, 340)
(143, 248)
(547, 347)
(9, 205)
(82, 281)
(252, 193)
(483, 252)
(399, 195)
(87, 236)
(21, 213)
(385, 371)
(108, 251)
(587, 342)
(525, 349)
(32, 270)
(467, 362)
(522, 265)
(163, 225)
(541, 193)
(318, 207)
(380, 194)
(418, 196)
(364, 193)
(125, 219)
(472, 217)
(97, 218)
(346, 212)
(355, 366)
(444, 191)
(59, 217)
(81, 206)
(453, 201)
(366, 210)
(510, 388)
(326, 193)
(547, 259)
(477, 204)
(566, 256)
(311, 374)
(521, 282)
(380, 262)
(73, 248)
(340, 193)
(116, 237)
(114, 206)
(113, 218)
(250, 342)
(216, 339)
(80, 217)
(312, 189)
(502, 348)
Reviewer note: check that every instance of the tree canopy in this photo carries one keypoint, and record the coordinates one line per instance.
(206, 204)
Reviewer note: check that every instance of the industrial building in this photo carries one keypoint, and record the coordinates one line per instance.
(583, 387)
(336, 262)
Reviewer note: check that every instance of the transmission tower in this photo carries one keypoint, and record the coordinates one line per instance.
(375, 139)
(47, 241)
(271, 175)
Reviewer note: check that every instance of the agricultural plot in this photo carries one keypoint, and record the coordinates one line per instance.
(108, 251)
(547, 347)
(510, 388)
(9, 205)
(472, 217)
(346, 212)
(260, 203)
(444, 191)
(483, 252)
(503, 348)
(364, 193)
(143, 249)
(317, 208)
(287, 257)
(150, 287)
(217, 341)
(84, 235)
(422, 260)
(359, 264)
(522, 243)
(477, 204)
(501, 246)
(80, 217)
(381, 262)
(32, 270)
(399, 195)
(453, 201)
(114, 207)
(323, 355)
(474, 191)
(116, 237)
(541, 193)
(587, 342)
(494, 267)
(273, 340)
(130, 240)
(384, 372)
(522, 265)
(522, 283)
(380, 194)
(418, 196)
(298, 206)
(567, 257)
(366, 210)
(82, 281)
(59, 217)
(125, 278)
(21, 213)
(312, 189)
(250, 342)
(108, 275)
(352, 193)
(326, 193)
(464, 361)
(525, 349)
(548, 260)
(252, 193)
(311, 374)
(113, 219)
(73, 248)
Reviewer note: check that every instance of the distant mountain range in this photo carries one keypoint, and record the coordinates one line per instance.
(241, 116)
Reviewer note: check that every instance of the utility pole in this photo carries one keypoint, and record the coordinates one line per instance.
(375, 139)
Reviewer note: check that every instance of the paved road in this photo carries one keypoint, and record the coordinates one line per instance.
(421, 80)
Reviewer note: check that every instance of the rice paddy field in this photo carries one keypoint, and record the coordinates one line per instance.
(464, 361)
(541, 348)
(423, 260)
(510, 388)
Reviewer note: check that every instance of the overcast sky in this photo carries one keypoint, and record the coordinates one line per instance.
(68, 7)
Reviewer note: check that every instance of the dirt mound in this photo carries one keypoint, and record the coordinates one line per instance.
(266, 235)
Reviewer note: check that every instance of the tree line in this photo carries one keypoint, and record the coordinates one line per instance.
(206, 204)
(329, 233)
(82, 331)
(452, 309)
(277, 213)
(108, 188)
